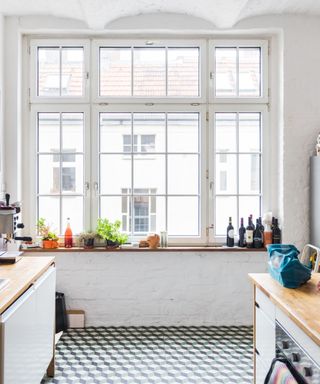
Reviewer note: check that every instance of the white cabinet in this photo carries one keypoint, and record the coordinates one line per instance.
(27, 333)
(264, 335)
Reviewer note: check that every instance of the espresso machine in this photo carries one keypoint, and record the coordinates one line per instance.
(9, 224)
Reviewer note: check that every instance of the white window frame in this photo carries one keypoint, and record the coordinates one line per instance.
(263, 44)
(33, 193)
(92, 104)
(43, 43)
(265, 168)
(143, 43)
(167, 108)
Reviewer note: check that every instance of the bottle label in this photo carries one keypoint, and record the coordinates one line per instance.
(231, 233)
(249, 236)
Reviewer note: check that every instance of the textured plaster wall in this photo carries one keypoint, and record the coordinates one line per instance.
(135, 288)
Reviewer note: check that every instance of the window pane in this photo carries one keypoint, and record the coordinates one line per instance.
(249, 205)
(249, 71)
(249, 132)
(226, 174)
(115, 132)
(226, 206)
(183, 174)
(183, 216)
(72, 132)
(49, 208)
(72, 72)
(115, 71)
(111, 208)
(72, 207)
(115, 173)
(49, 72)
(183, 132)
(149, 128)
(49, 174)
(183, 71)
(72, 173)
(149, 172)
(249, 167)
(226, 132)
(48, 132)
(149, 76)
(226, 72)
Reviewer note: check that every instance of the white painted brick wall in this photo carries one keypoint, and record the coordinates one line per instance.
(151, 288)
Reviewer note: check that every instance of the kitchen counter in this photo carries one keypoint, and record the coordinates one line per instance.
(21, 275)
(301, 305)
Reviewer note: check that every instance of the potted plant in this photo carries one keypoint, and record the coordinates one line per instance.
(49, 238)
(110, 232)
(88, 239)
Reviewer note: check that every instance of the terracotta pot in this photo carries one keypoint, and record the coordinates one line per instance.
(49, 244)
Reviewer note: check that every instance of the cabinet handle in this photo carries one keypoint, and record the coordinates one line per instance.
(257, 352)
(257, 305)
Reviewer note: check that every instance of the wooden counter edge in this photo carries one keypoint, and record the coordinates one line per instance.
(29, 283)
(300, 323)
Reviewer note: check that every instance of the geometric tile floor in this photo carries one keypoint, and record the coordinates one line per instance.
(154, 355)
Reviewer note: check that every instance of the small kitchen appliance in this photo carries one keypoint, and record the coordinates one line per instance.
(9, 224)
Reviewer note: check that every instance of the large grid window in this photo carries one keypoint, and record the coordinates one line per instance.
(60, 165)
(157, 158)
(149, 71)
(237, 166)
(162, 135)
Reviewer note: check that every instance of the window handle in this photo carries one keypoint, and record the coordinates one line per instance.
(211, 185)
(96, 188)
(86, 188)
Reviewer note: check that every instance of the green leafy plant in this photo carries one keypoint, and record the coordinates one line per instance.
(107, 230)
(44, 230)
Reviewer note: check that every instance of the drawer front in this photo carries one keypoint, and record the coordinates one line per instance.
(265, 337)
(265, 304)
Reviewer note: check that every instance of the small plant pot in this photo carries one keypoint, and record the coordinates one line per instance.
(49, 244)
(112, 244)
(88, 243)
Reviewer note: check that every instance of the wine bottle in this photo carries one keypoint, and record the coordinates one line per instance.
(257, 236)
(230, 234)
(261, 225)
(249, 233)
(276, 233)
(251, 217)
(242, 234)
(68, 235)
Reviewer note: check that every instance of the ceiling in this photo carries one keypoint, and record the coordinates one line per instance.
(97, 14)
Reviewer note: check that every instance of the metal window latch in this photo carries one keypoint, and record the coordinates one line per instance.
(96, 188)
(211, 75)
(86, 188)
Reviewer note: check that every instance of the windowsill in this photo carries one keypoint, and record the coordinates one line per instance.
(135, 249)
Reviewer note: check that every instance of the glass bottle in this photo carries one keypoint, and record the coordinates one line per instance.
(68, 235)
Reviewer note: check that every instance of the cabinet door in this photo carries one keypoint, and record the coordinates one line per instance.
(265, 335)
(45, 319)
(27, 332)
(19, 345)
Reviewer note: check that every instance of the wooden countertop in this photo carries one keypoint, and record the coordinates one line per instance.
(302, 305)
(21, 275)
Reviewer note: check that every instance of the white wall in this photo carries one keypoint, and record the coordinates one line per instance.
(159, 288)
